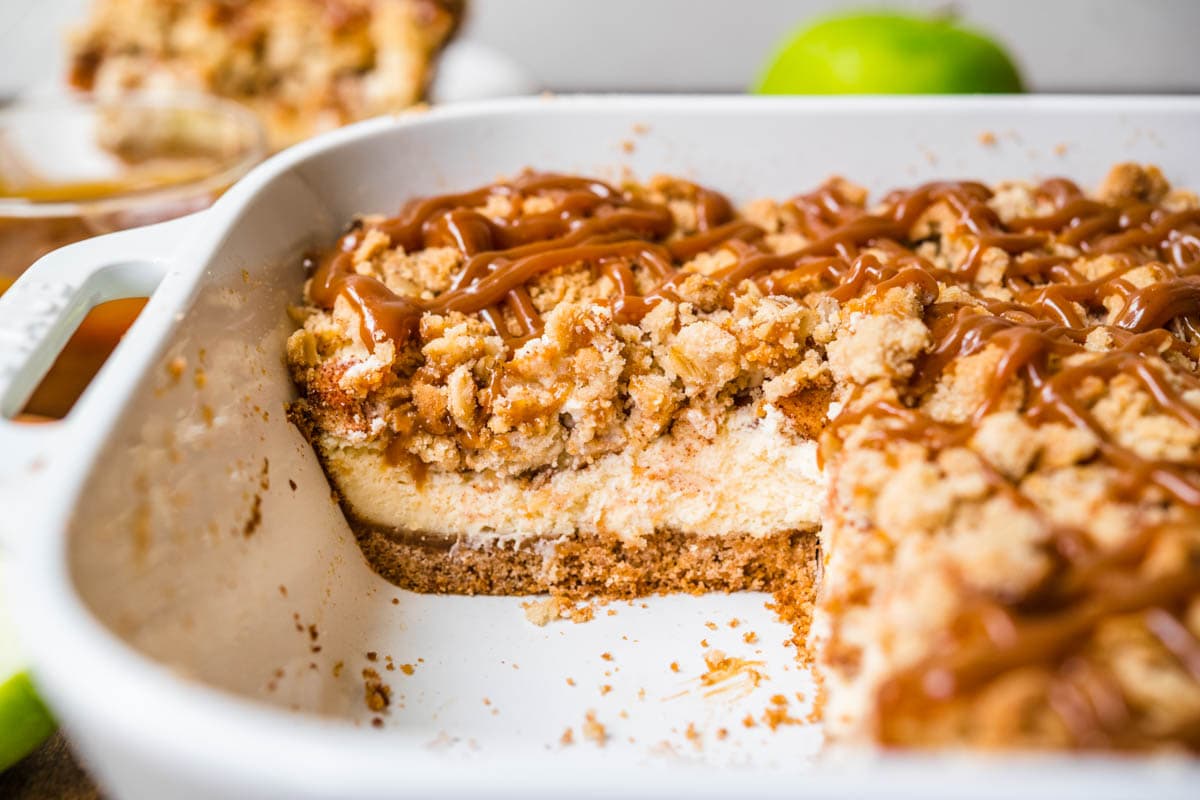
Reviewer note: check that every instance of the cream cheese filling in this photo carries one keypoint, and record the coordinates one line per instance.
(754, 478)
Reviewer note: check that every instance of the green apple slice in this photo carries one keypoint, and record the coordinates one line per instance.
(24, 721)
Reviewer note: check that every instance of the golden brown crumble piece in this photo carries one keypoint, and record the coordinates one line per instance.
(377, 694)
(594, 730)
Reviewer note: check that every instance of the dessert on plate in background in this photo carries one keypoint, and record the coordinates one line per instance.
(304, 66)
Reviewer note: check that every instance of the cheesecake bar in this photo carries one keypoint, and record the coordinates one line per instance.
(552, 384)
(304, 66)
(966, 416)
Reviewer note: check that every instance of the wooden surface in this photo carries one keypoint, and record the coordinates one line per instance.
(51, 771)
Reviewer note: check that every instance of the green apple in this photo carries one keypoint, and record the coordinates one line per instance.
(888, 53)
(24, 721)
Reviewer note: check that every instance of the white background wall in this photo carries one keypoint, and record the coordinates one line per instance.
(1062, 45)
(718, 45)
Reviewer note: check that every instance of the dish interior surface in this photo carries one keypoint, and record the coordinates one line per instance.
(218, 549)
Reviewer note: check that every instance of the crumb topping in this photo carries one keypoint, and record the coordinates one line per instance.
(575, 375)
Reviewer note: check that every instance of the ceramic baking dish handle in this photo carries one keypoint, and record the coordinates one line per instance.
(43, 308)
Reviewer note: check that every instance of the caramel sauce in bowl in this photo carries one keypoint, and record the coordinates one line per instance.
(73, 168)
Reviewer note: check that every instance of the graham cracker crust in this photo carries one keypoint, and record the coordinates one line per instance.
(593, 566)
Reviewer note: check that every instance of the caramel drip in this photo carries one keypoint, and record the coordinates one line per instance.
(1090, 703)
(1004, 643)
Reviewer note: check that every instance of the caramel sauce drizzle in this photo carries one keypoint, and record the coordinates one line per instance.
(591, 223)
(1053, 312)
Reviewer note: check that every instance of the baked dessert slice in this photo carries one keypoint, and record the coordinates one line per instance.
(551, 384)
(304, 66)
(1012, 541)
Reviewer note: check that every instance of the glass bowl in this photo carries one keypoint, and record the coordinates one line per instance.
(72, 168)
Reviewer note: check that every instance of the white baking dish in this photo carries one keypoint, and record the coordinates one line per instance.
(159, 629)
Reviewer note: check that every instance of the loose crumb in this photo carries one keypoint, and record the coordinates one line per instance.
(378, 695)
(593, 730)
(567, 738)
(693, 736)
(543, 612)
(987, 139)
(777, 713)
(728, 673)
(674, 666)
(176, 367)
